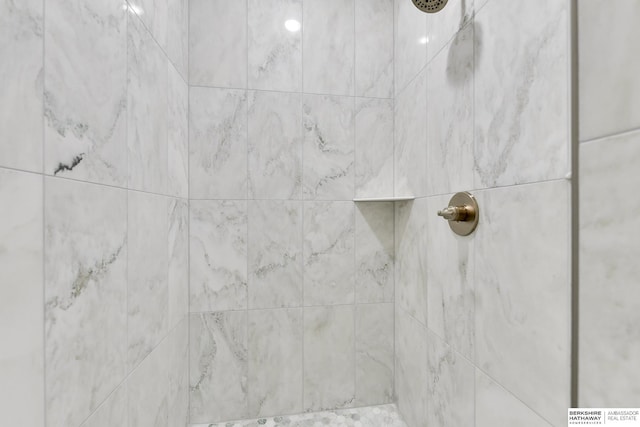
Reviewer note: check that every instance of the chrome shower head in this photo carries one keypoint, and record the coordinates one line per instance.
(430, 6)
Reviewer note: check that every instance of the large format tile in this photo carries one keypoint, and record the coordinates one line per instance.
(177, 346)
(374, 354)
(85, 297)
(374, 48)
(178, 36)
(329, 359)
(218, 368)
(275, 254)
(275, 145)
(147, 110)
(21, 47)
(275, 361)
(147, 388)
(450, 116)
(178, 260)
(275, 52)
(328, 148)
(609, 86)
(329, 43)
(217, 143)
(85, 91)
(148, 289)
(523, 293)
(521, 92)
(113, 411)
(177, 135)
(154, 14)
(374, 252)
(609, 270)
(450, 284)
(218, 58)
(447, 24)
(374, 147)
(410, 38)
(218, 255)
(21, 300)
(329, 259)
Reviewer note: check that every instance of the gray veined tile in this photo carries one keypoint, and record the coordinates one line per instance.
(275, 52)
(329, 266)
(447, 25)
(275, 145)
(329, 45)
(85, 297)
(113, 411)
(178, 259)
(218, 256)
(178, 36)
(373, 147)
(177, 135)
(21, 298)
(148, 288)
(21, 47)
(154, 14)
(218, 143)
(329, 145)
(521, 84)
(329, 359)
(218, 58)
(86, 91)
(177, 345)
(275, 361)
(275, 254)
(374, 252)
(147, 388)
(147, 110)
(218, 367)
(410, 50)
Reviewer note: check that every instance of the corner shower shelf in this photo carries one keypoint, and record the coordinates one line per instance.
(384, 199)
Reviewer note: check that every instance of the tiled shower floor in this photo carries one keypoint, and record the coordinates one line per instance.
(372, 416)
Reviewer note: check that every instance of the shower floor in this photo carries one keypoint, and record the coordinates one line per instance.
(372, 416)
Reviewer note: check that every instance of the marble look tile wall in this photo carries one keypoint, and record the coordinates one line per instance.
(286, 126)
(609, 150)
(96, 273)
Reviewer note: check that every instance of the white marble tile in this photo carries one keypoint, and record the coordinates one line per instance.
(446, 25)
(411, 258)
(154, 14)
(147, 389)
(329, 47)
(147, 110)
(275, 361)
(177, 344)
(451, 386)
(374, 147)
(178, 35)
(521, 92)
(275, 145)
(21, 48)
(374, 48)
(329, 359)
(218, 368)
(410, 149)
(21, 300)
(113, 411)
(329, 253)
(217, 143)
(410, 50)
(328, 149)
(450, 116)
(275, 52)
(374, 252)
(177, 135)
(374, 354)
(178, 259)
(450, 283)
(497, 407)
(218, 43)
(523, 293)
(609, 270)
(85, 297)
(609, 38)
(218, 255)
(411, 374)
(148, 289)
(275, 254)
(85, 91)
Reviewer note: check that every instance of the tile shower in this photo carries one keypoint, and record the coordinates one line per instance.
(179, 243)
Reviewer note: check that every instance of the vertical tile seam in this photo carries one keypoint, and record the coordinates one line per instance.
(43, 198)
(575, 204)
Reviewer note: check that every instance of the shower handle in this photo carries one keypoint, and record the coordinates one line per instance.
(462, 213)
(458, 213)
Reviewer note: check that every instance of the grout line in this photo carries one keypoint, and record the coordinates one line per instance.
(44, 214)
(204, 86)
(626, 132)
